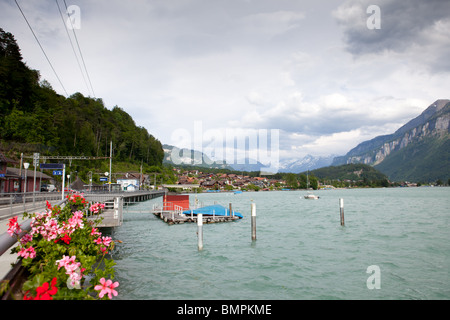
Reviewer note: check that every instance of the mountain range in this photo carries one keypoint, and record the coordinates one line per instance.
(187, 157)
(417, 151)
(308, 162)
(176, 156)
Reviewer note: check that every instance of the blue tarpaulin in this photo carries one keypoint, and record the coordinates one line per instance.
(208, 210)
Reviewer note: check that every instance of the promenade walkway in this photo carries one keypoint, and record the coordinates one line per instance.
(7, 258)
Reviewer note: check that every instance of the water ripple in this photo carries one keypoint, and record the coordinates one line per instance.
(301, 251)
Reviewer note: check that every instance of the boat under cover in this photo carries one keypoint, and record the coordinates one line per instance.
(216, 209)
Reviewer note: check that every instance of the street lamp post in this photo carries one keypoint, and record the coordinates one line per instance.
(90, 181)
(25, 165)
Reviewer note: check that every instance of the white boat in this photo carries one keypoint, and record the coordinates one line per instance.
(309, 196)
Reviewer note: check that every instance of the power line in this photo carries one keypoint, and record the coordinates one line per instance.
(71, 43)
(43, 51)
(79, 49)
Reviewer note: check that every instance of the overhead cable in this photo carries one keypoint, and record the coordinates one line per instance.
(43, 51)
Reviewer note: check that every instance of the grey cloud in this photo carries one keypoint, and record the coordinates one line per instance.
(405, 26)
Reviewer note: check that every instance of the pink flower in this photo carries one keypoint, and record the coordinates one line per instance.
(13, 227)
(106, 287)
(106, 241)
(72, 269)
(65, 261)
(96, 207)
(95, 232)
(26, 238)
(76, 220)
(27, 253)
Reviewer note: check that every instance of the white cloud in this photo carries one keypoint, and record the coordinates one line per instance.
(311, 69)
(270, 24)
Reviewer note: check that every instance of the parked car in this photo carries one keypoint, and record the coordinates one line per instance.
(48, 187)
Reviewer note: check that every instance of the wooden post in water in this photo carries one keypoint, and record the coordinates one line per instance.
(253, 221)
(341, 206)
(200, 230)
(231, 210)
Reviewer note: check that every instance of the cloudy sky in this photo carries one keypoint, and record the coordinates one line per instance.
(314, 70)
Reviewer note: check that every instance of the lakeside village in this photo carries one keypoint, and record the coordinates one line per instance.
(196, 181)
(178, 180)
(199, 181)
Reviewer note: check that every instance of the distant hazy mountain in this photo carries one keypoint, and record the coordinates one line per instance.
(308, 162)
(417, 151)
(176, 156)
(247, 165)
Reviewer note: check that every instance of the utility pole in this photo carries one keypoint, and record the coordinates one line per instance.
(110, 165)
(140, 177)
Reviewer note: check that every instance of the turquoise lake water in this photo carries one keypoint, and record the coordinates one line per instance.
(301, 251)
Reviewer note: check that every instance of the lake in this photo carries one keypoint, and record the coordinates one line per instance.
(395, 245)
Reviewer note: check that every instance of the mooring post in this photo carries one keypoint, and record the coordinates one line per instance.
(200, 231)
(253, 221)
(231, 209)
(341, 206)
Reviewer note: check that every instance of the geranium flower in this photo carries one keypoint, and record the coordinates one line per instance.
(106, 241)
(27, 253)
(95, 232)
(97, 207)
(26, 238)
(65, 239)
(106, 287)
(44, 292)
(65, 261)
(13, 227)
(76, 221)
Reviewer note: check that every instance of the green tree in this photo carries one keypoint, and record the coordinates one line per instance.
(291, 180)
(33, 114)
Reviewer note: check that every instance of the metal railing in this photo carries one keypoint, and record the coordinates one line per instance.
(6, 241)
(12, 203)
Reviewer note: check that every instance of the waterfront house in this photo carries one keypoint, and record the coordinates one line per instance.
(130, 181)
(13, 179)
(209, 184)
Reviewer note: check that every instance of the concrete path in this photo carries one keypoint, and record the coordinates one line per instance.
(5, 213)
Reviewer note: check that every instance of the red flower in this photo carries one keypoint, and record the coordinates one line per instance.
(43, 292)
(66, 239)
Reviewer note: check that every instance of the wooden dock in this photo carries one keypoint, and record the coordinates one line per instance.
(172, 217)
(109, 219)
(128, 197)
(113, 213)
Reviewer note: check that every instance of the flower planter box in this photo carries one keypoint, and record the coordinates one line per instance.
(13, 282)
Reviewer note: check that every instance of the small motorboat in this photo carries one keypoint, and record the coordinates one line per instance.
(311, 196)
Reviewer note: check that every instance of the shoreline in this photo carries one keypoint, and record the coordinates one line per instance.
(305, 190)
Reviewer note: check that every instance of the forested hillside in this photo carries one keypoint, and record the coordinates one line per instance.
(359, 172)
(34, 117)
